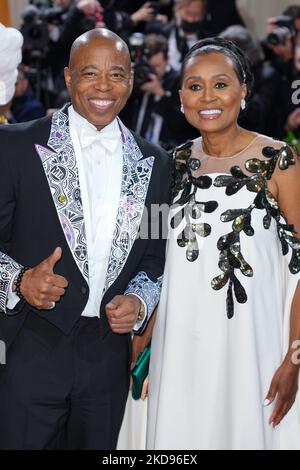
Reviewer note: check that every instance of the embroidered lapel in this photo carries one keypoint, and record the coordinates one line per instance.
(135, 181)
(62, 174)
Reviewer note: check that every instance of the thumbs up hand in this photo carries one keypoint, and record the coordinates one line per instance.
(40, 287)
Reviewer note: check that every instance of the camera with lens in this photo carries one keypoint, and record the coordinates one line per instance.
(142, 68)
(36, 20)
(37, 45)
(142, 72)
(285, 27)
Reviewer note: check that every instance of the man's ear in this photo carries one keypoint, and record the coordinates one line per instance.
(131, 82)
(68, 77)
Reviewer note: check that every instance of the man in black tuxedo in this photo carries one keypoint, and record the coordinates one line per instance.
(74, 189)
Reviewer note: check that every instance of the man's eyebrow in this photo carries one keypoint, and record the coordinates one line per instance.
(94, 67)
(89, 66)
(118, 67)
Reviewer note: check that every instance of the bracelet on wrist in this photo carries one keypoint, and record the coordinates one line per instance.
(141, 314)
(19, 281)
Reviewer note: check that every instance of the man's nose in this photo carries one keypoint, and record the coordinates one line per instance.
(103, 83)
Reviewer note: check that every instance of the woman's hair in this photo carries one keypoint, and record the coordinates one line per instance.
(246, 41)
(238, 58)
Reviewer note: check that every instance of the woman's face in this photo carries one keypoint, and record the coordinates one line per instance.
(211, 92)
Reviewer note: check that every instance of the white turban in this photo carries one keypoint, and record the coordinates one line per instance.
(11, 41)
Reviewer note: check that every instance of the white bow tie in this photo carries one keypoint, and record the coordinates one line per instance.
(106, 137)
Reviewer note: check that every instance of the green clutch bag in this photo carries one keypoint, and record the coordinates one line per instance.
(140, 372)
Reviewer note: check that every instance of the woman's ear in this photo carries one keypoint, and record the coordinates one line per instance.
(181, 107)
(244, 91)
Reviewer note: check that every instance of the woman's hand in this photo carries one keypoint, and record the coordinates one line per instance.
(284, 388)
(139, 343)
(144, 393)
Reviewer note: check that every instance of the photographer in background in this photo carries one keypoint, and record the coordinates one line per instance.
(125, 18)
(292, 124)
(223, 14)
(279, 44)
(279, 49)
(25, 107)
(81, 16)
(262, 113)
(294, 12)
(153, 110)
(48, 34)
(190, 24)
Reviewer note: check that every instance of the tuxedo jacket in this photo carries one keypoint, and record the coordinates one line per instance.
(41, 208)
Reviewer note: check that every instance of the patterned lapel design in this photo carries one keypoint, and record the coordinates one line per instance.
(62, 174)
(136, 176)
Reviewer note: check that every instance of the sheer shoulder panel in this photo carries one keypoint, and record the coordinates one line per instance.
(212, 164)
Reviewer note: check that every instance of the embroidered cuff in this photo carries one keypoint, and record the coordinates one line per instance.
(148, 292)
(8, 270)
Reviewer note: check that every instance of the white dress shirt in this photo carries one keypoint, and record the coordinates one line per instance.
(99, 159)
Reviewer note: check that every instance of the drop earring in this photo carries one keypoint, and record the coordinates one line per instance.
(243, 104)
(182, 108)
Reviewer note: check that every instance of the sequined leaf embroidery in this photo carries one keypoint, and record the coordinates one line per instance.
(187, 184)
(230, 257)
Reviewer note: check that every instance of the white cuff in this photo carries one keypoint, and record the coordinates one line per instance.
(12, 297)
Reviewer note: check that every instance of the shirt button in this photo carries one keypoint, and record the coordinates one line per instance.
(83, 290)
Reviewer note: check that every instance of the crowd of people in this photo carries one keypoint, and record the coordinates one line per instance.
(159, 34)
(108, 241)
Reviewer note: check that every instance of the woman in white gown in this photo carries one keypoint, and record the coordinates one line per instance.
(225, 347)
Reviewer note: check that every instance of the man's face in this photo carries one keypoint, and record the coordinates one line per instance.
(99, 80)
(159, 63)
